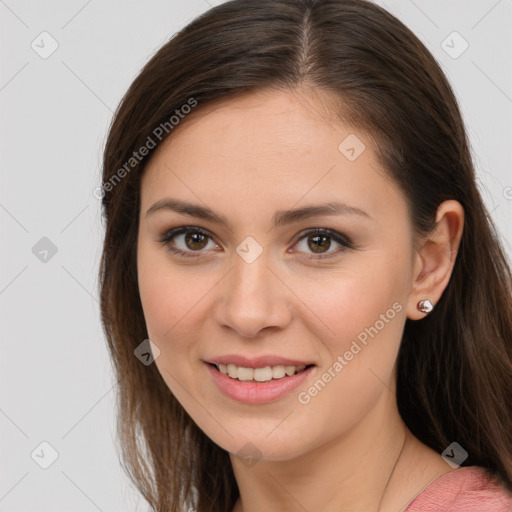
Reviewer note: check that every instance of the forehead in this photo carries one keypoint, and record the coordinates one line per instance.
(272, 147)
(265, 123)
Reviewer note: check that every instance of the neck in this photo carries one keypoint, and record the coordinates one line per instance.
(361, 470)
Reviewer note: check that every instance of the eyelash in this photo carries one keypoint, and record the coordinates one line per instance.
(345, 242)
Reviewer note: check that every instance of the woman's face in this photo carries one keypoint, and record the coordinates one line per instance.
(254, 293)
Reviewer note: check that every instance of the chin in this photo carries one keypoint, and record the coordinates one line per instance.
(257, 444)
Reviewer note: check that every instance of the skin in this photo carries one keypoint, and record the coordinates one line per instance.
(347, 448)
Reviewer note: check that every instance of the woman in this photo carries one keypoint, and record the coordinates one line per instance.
(305, 300)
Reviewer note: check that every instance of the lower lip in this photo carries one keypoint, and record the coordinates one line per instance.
(251, 392)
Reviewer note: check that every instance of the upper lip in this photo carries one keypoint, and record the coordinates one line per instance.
(257, 362)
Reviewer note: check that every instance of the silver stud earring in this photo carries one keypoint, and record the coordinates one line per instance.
(425, 306)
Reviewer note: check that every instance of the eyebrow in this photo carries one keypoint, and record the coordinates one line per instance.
(280, 218)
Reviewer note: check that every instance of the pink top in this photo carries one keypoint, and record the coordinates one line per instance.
(467, 489)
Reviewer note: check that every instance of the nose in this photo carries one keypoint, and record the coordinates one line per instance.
(254, 298)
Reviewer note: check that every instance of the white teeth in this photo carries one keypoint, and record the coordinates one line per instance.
(232, 371)
(259, 374)
(278, 372)
(262, 374)
(289, 370)
(245, 373)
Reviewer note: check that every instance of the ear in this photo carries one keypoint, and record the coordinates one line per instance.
(435, 257)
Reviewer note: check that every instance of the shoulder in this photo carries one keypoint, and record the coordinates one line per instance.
(467, 489)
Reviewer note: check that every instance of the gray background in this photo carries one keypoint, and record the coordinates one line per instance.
(56, 380)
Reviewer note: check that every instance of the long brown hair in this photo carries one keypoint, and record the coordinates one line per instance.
(454, 366)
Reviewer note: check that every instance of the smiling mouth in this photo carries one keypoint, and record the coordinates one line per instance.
(264, 374)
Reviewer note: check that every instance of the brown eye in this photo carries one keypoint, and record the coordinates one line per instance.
(194, 241)
(319, 241)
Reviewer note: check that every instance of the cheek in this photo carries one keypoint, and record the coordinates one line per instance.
(175, 303)
(363, 313)
(369, 293)
(170, 298)
(169, 294)
(366, 314)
